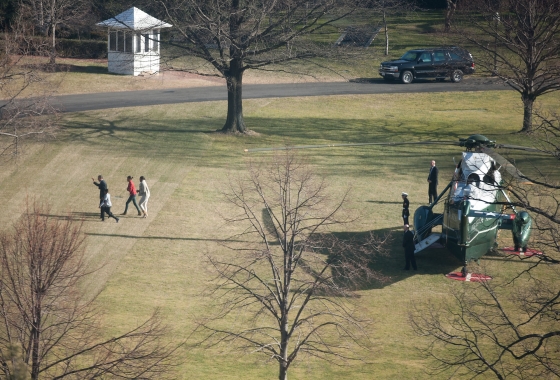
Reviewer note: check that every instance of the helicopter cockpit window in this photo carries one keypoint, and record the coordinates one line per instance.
(473, 178)
(488, 179)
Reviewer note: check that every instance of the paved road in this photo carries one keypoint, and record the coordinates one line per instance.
(97, 101)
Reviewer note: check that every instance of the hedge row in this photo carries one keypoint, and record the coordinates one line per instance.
(81, 48)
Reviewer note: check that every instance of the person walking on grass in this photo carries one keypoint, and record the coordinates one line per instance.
(105, 207)
(144, 192)
(132, 197)
(102, 185)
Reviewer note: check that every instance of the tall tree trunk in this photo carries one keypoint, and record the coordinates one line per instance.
(234, 75)
(528, 101)
(35, 338)
(449, 12)
(283, 373)
(234, 79)
(386, 33)
(52, 59)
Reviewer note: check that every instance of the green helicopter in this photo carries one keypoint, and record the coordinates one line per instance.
(474, 204)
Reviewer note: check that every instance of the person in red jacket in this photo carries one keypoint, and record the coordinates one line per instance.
(132, 191)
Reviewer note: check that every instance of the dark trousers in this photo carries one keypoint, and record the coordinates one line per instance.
(133, 199)
(432, 192)
(405, 219)
(105, 209)
(101, 208)
(410, 259)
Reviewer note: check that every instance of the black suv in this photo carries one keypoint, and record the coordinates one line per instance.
(439, 63)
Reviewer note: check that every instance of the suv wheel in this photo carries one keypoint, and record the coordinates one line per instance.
(407, 77)
(456, 76)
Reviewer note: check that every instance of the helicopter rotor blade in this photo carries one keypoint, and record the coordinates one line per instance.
(508, 166)
(350, 145)
(518, 147)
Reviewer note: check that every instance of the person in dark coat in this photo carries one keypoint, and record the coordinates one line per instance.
(408, 244)
(432, 182)
(405, 204)
(102, 185)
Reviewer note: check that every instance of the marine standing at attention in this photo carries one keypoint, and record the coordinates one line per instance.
(405, 204)
(432, 182)
(408, 245)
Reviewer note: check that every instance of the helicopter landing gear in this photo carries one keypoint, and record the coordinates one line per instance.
(464, 275)
(523, 252)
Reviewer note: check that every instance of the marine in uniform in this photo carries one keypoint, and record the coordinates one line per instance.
(408, 245)
(405, 204)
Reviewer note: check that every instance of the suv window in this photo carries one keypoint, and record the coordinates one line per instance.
(425, 57)
(410, 56)
(455, 56)
(439, 56)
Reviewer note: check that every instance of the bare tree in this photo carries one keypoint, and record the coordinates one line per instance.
(293, 277)
(388, 8)
(45, 314)
(450, 10)
(49, 15)
(488, 330)
(24, 114)
(508, 327)
(520, 43)
(239, 35)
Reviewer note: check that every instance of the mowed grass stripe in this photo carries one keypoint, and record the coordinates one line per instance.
(161, 263)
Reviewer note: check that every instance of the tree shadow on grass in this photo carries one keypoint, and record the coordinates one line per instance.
(158, 237)
(188, 138)
(87, 69)
(64, 67)
(437, 261)
(384, 202)
(76, 215)
(390, 264)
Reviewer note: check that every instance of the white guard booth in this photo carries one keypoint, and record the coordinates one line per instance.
(133, 42)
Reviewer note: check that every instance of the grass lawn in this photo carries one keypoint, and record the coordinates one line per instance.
(159, 261)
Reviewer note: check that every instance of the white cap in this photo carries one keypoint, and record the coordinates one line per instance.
(405, 194)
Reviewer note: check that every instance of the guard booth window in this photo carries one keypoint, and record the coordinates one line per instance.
(128, 42)
(155, 38)
(146, 42)
(120, 41)
(138, 43)
(113, 41)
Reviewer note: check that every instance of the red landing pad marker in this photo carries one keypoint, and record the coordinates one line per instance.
(527, 253)
(470, 277)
